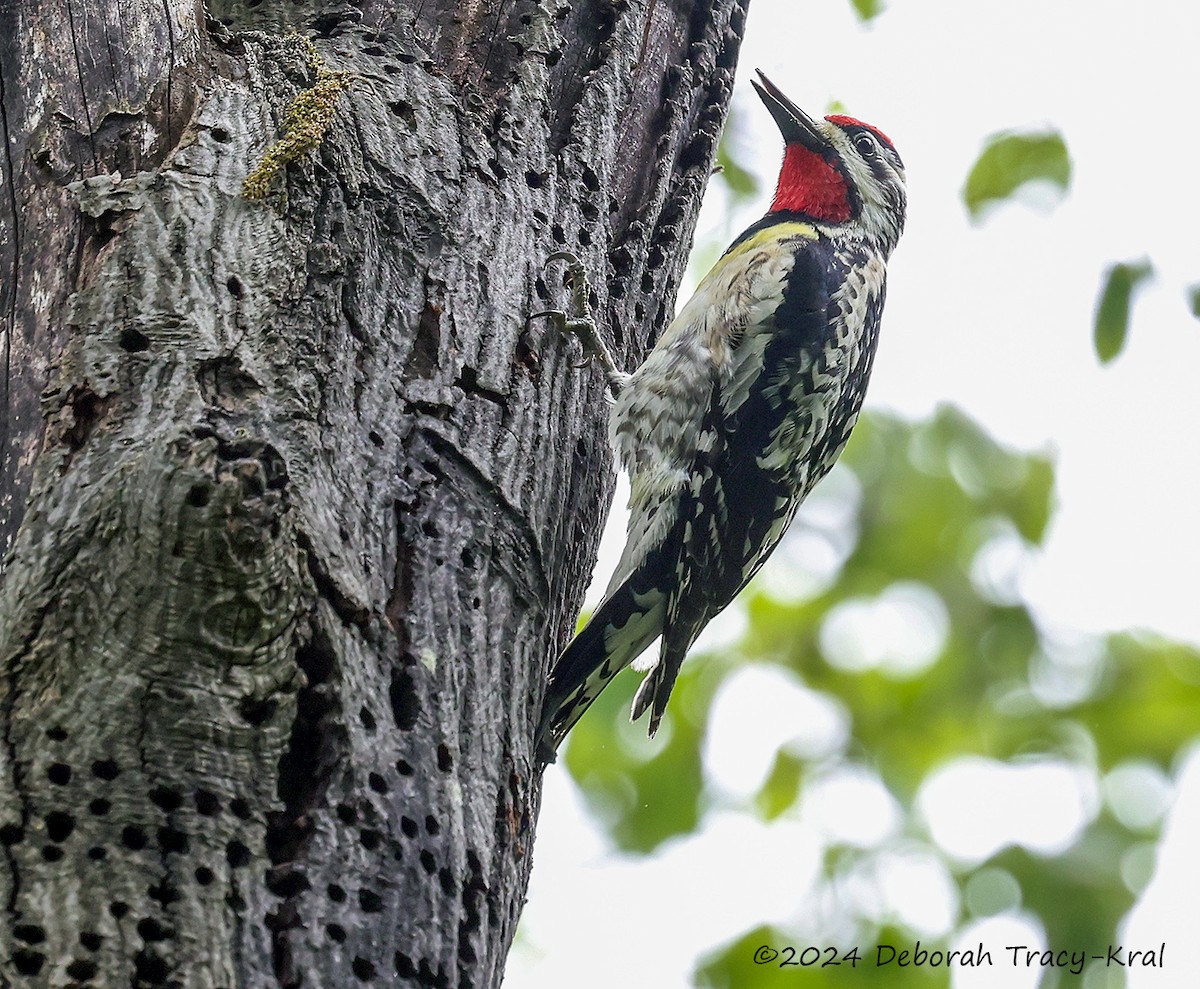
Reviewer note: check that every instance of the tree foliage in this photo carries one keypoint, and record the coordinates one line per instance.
(944, 518)
(1010, 161)
(1121, 281)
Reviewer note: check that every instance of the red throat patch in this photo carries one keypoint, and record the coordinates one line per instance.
(809, 184)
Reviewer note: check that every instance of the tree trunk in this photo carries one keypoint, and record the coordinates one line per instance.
(296, 510)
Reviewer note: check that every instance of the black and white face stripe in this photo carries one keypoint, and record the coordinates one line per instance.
(871, 147)
(875, 175)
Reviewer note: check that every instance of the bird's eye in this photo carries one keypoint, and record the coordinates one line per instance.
(865, 145)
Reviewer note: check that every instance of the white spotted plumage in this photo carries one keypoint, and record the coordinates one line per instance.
(744, 403)
(718, 336)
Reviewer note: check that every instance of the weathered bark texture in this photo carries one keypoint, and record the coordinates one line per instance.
(296, 511)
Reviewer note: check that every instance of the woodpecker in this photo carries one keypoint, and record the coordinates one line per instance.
(745, 402)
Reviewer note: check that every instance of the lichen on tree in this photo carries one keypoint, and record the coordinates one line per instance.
(305, 123)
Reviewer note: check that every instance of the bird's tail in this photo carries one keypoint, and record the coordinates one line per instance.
(655, 690)
(626, 622)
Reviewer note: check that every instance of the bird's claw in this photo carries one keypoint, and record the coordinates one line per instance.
(577, 281)
(580, 322)
(571, 259)
(556, 316)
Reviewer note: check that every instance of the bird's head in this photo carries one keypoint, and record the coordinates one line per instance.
(837, 170)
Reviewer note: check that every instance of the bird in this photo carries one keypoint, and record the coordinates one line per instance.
(744, 403)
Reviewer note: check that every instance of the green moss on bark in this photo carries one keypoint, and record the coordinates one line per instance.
(307, 119)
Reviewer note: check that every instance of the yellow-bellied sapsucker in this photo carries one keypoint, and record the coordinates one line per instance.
(743, 405)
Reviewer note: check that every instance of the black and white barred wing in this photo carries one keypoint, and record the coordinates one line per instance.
(671, 426)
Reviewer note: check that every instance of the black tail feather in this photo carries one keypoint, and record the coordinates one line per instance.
(656, 689)
(618, 631)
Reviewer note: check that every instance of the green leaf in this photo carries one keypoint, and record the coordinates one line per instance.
(867, 9)
(1145, 704)
(1194, 299)
(731, 152)
(742, 183)
(782, 786)
(1112, 311)
(1009, 160)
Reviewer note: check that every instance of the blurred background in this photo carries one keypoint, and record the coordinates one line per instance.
(961, 703)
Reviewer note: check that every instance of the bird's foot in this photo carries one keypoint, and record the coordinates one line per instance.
(580, 323)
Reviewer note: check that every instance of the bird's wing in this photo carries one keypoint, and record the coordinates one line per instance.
(714, 347)
(671, 425)
(752, 465)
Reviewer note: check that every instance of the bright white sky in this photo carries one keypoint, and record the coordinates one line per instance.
(996, 319)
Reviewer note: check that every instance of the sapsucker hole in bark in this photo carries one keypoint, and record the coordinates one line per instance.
(82, 970)
(59, 825)
(133, 341)
(406, 708)
(207, 803)
(105, 769)
(134, 838)
(172, 841)
(29, 933)
(237, 854)
(166, 798)
(28, 962)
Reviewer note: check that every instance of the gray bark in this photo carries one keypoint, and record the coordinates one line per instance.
(296, 511)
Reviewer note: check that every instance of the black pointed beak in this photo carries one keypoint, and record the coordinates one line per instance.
(796, 126)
